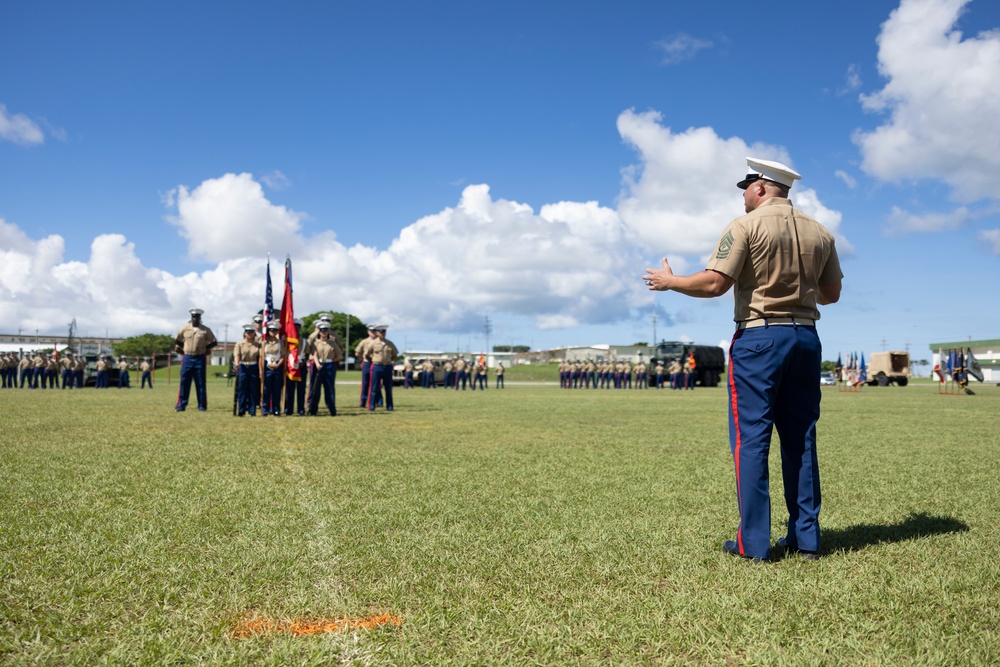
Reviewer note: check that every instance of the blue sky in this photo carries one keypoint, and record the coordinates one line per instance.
(432, 164)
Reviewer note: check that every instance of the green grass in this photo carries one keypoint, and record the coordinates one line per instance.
(531, 525)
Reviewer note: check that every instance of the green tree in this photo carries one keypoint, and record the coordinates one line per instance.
(145, 345)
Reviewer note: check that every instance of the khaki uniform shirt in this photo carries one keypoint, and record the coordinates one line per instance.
(123, 366)
(145, 367)
(361, 351)
(247, 351)
(273, 351)
(778, 257)
(323, 351)
(382, 351)
(80, 364)
(195, 340)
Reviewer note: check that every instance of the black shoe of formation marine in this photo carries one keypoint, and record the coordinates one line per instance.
(792, 549)
(730, 547)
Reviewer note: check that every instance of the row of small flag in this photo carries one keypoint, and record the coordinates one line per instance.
(856, 370)
(958, 364)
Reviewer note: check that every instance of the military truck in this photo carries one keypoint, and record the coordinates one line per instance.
(885, 368)
(709, 361)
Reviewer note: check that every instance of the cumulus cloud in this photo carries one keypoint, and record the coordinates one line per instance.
(565, 264)
(680, 47)
(19, 129)
(683, 192)
(941, 100)
(229, 217)
(991, 237)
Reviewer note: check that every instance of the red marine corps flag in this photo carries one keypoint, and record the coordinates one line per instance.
(287, 321)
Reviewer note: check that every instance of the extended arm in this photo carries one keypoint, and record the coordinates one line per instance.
(704, 284)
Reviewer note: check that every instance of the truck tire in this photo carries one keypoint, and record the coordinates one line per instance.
(902, 380)
(883, 380)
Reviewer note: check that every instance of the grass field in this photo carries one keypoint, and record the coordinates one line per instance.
(528, 526)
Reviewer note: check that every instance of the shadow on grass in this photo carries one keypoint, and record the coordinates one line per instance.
(916, 525)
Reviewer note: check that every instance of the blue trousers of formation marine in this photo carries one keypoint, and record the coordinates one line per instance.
(381, 376)
(323, 380)
(296, 391)
(774, 383)
(192, 370)
(247, 389)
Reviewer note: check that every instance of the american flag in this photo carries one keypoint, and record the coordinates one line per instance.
(268, 312)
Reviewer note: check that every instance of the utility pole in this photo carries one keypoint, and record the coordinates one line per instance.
(654, 329)
(487, 328)
(72, 328)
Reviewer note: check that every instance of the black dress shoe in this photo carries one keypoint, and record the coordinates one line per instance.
(730, 547)
(808, 555)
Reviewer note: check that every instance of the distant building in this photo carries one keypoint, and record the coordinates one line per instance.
(986, 352)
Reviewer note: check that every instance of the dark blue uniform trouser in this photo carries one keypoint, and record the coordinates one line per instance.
(147, 377)
(248, 389)
(381, 376)
(366, 377)
(326, 374)
(774, 381)
(192, 368)
(297, 391)
(271, 405)
(123, 380)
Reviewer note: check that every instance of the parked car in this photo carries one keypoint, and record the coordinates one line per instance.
(827, 380)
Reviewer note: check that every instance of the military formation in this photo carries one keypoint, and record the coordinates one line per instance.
(41, 370)
(459, 373)
(625, 375)
(271, 374)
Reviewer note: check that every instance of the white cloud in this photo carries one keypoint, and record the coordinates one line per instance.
(992, 238)
(852, 80)
(942, 101)
(19, 128)
(683, 192)
(902, 222)
(229, 217)
(848, 180)
(276, 180)
(680, 47)
(570, 263)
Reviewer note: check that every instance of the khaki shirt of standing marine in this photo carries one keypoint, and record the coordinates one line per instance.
(382, 351)
(195, 340)
(774, 254)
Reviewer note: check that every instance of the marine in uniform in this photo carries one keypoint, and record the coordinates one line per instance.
(784, 265)
(101, 381)
(79, 367)
(499, 374)
(325, 353)
(361, 352)
(195, 341)
(427, 379)
(246, 359)
(123, 377)
(382, 353)
(66, 371)
(273, 363)
(147, 373)
(407, 373)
